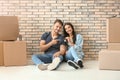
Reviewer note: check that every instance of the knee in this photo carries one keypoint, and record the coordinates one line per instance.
(61, 58)
(34, 56)
(72, 47)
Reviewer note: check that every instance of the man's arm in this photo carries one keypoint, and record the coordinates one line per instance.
(44, 46)
(61, 52)
(62, 49)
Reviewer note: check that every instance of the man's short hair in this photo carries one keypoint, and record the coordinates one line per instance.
(59, 21)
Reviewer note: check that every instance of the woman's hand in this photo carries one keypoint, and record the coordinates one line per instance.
(70, 41)
(67, 39)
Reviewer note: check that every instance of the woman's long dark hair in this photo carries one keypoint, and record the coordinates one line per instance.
(73, 32)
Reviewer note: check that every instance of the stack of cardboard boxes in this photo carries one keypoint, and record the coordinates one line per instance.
(110, 58)
(12, 51)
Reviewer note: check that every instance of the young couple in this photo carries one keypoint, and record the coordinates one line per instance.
(55, 46)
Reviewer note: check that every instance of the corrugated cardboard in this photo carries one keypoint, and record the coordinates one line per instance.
(1, 53)
(109, 59)
(113, 30)
(113, 46)
(15, 53)
(8, 28)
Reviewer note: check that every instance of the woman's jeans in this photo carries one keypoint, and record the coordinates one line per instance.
(72, 54)
(44, 58)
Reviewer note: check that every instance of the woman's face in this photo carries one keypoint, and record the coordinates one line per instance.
(68, 29)
(57, 27)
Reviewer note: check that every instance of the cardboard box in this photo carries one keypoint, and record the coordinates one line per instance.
(9, 28)
(113, 30)
(15, 53)
(113, 46)
(109, 59)
(1, 53)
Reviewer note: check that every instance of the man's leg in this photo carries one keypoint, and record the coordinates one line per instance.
(55, 63)
(41, 60)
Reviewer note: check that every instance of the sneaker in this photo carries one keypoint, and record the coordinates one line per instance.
(80, 63)
(73, 64)
(54, 64)
(43, 66)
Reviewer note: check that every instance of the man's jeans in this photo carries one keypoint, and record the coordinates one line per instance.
(44, 58)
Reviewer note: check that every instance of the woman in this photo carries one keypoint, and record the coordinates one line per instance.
(74, 55)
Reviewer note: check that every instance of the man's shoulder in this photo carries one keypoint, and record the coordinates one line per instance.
(46, 33)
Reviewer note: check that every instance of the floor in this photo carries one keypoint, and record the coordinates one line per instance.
(64, 72)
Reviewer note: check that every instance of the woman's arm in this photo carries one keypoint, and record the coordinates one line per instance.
(79, 42)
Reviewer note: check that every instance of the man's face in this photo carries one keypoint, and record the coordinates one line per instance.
(57, 27)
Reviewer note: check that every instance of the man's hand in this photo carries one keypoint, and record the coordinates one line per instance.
(57, 54)
(54, 41)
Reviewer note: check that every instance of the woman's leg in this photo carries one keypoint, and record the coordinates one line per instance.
(68, 56)
(72, 54)
(70, 59)
(77, 58)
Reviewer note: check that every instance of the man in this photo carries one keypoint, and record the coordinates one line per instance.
(52, 44)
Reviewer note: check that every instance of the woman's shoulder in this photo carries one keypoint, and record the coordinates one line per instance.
(78, 35)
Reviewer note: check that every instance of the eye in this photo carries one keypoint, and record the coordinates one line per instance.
(60, 27)
(56, 26)
(65, 28)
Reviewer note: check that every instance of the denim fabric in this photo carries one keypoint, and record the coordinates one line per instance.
(75, 52)
(73, 55)
(44, 58)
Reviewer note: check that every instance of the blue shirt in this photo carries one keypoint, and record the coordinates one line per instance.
(48, 38)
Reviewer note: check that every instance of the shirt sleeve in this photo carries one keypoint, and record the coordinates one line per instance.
(44, 36)
(79, 42)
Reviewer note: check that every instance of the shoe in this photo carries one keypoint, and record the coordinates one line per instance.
(54, 64)
(80, 63)
(73, 64)
(43, 66)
